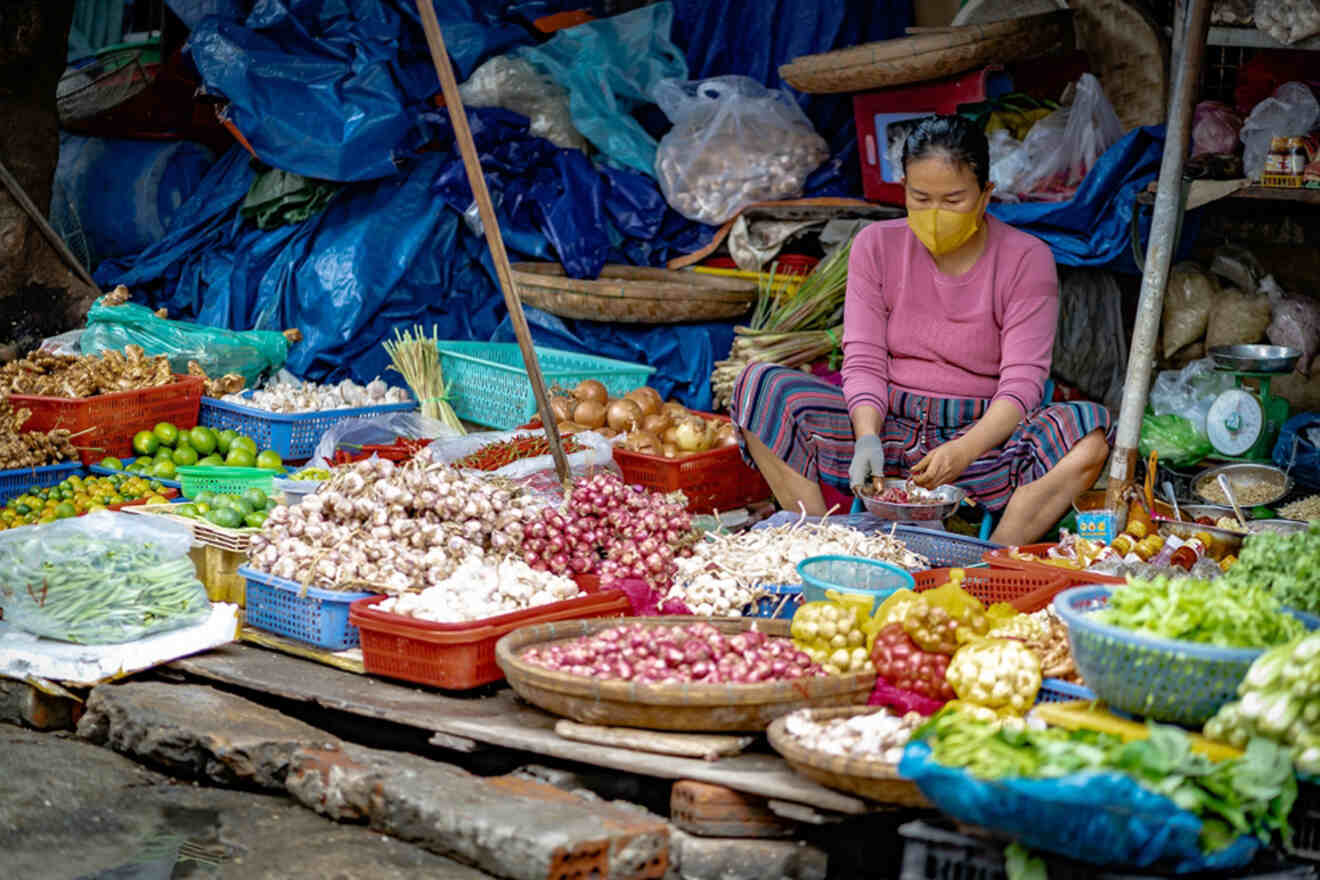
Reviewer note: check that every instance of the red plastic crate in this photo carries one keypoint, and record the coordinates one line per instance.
(1002, 560)
(1027, 591)
(458, 656)
(714, 480)
(115, 417)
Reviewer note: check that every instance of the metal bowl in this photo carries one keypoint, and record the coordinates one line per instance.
(950, 498)
(1282, 526)
(1226, 540)
(1255, 358)
(1214, 511)
(1237, 473)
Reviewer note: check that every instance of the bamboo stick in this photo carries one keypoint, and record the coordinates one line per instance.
(499, 257)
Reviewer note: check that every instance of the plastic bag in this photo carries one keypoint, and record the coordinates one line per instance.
(1060, 149)
(535, 474)
(1189, 392)
(1292, 110)
(1187, 302)
(1178, 442)
(249, 353)
(381, 429)
(734, 142)
(1098, 818)
(1239, 266)
(1008, 162)
(1288, 21)
(1237, 318)
(1296, 323)
(516, 85)
(100, 579)
(1215, 128)
(65, 343)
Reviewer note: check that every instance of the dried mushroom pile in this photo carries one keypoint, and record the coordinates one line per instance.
(55, 375)
(20, 449)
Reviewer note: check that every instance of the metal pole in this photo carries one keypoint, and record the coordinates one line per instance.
(467, 148)
(1189, 48)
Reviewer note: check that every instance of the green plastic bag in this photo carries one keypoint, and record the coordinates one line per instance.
(1178, 442)
(249, 353)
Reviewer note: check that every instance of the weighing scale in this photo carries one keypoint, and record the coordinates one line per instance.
(1243, 422)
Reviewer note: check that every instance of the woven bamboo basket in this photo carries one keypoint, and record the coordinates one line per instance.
(681, 707)
(873, 780)
(632, 294)
(929, 55)
(1123, 45)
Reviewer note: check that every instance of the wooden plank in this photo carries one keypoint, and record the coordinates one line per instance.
(349, 661)
(708, 747)
(500, 720)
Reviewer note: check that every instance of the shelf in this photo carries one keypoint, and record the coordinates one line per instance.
(1251, 38)
(1279, 194)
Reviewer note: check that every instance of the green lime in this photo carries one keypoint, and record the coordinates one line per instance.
(203, 507)
(185, 456)
(206, 496)
(145, 443)
(203, 440)
(164, 470)
(211, 460)
(255, 520)
(112, 463)
(270, 460)
(145, 461)
(188, 510)
(271, 504)
(256, 498)
(244, 442)
(64, 510)
(240, 457)
(164, 453)
(241, 506)
(22, 509)
(223, 439)
(183, 441)
(166, 433)
(225, 517)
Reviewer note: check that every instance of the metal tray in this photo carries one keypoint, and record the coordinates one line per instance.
(951, 497)
(1255, 358)
(1283, 526)
(1236, 472)
(1227, 539)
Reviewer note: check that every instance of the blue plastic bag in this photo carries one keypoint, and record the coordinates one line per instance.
(1100, 818)
(1298, 448)
(609, 68)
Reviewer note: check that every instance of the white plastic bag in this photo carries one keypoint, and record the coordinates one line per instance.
(1296, 322)
(1190, 391)
(379, 429)
(514, 84)
(65, 343)
(1292, 110)
(1287, 21)
(1008, 162)
(1059, 150)
(734, 143)
(535, 474)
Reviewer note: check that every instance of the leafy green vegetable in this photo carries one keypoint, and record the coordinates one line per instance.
(1248, 795)
(1020, 864)
(1193, 610)
(1288, 566)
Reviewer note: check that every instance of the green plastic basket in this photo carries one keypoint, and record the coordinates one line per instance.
(224, 480)
(488, 382)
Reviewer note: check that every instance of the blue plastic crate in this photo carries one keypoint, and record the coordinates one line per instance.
(1056, 690)
(105, 471)
(293, 435)
(318, 617)
(782, 602)
(489, 386)
(18, 480)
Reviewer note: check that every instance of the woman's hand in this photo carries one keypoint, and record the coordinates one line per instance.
(943, 464)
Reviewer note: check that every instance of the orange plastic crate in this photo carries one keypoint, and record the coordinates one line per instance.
(1025, 590)
(1001, 559)
(459, 656)
(115, 417)
(714, 480)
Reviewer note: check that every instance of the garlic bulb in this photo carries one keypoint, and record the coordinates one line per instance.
(293, 396)
(479, 589)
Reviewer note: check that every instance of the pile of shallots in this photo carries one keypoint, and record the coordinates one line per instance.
(695, 652)
(391, 528)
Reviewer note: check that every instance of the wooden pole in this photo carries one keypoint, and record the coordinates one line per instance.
(472, 163)
(1189, 46)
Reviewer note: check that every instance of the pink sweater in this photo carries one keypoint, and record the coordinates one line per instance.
(986, 334)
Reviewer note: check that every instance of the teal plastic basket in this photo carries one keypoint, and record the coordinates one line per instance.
(488, 381)
(1162, 679)
(225, 480)
(851, 574)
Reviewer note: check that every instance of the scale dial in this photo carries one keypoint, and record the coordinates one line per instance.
(1235, 422)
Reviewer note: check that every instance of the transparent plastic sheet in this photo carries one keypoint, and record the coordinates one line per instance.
(537, 474)
(100, 579)
(1291, 110)
(734, 143)
(1098, 818)
(1190, 391)
(250, 353)
(382, 429)
(515, 85)
(1287, 21)
(1296, 322)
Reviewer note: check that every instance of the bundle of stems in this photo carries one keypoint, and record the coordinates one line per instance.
(416, 357)
(792, 330)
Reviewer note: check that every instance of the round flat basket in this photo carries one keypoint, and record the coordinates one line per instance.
(873, 780)
(680, 707)
(633, 294)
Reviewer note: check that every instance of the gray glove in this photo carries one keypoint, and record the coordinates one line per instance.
(868, 461)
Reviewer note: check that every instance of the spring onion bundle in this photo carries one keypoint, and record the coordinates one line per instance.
(791, 330)
(416, 357)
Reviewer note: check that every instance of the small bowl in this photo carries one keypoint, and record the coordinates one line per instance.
(852, 575)
(950, 497)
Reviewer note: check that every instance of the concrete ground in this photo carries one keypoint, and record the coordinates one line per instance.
(69, 809)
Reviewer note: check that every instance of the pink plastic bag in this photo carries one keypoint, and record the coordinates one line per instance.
(1215, 128)
(902, 701)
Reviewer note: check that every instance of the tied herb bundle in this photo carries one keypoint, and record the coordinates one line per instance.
(416, 357)
(792, 330)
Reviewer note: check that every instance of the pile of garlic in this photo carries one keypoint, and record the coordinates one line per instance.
(876, 736)
(391, 528)
(479, 589)
(286, 394)
(709, 593)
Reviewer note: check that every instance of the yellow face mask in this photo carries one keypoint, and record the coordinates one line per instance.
(943, 231)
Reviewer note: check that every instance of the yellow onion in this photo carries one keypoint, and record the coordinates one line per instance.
(592, 389)
(644, 442)
(692, 435)
(623, 414)
(589, 413)
(670, 435)
(562, 407)
(669, 450)
(646, 398)
(656, 423)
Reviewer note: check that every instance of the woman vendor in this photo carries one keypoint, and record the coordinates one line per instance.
(948, 328)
